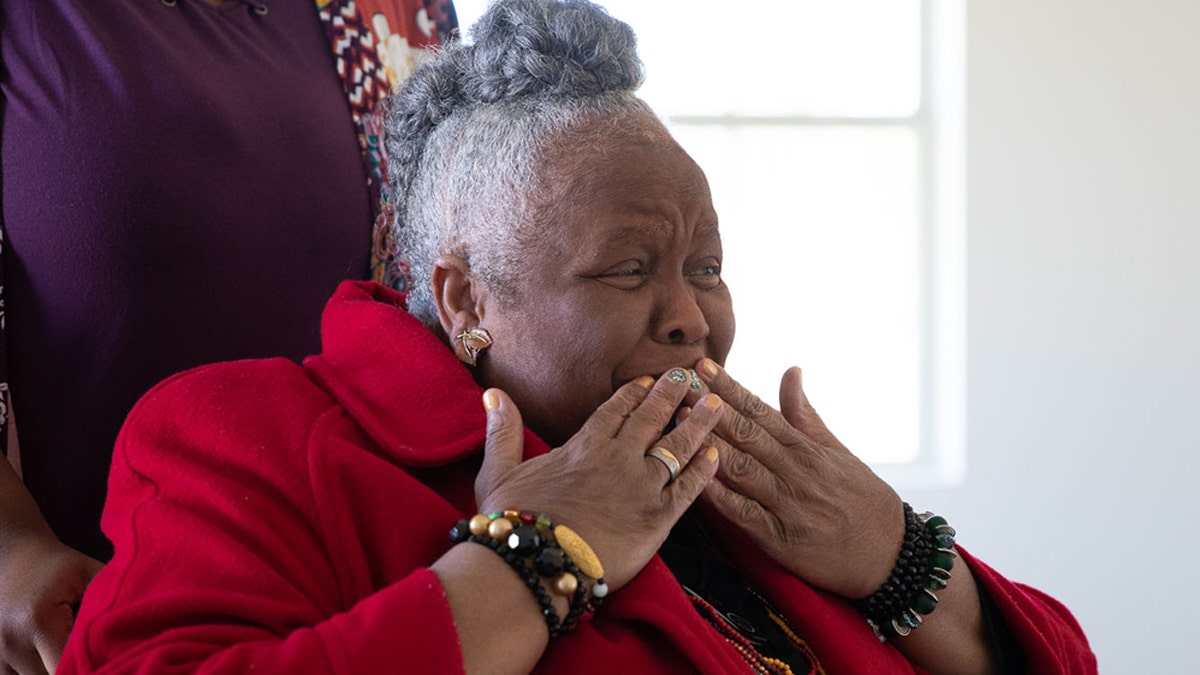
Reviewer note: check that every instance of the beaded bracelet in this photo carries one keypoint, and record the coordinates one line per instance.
(535, 548)
(923, 566)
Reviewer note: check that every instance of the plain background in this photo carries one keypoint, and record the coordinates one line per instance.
(1083, 316)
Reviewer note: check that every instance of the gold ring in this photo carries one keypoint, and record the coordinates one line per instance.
(668, 459)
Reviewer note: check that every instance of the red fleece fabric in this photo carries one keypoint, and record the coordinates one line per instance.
(275, 517)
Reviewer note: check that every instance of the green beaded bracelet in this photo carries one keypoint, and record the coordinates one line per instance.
(922, 567)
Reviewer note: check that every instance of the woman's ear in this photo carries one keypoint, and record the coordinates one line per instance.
(457, 295)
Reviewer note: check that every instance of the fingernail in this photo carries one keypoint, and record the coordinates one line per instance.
(695, 380)
(708, 367)
(645, 382)
(710, 453)
(491, 400)
(677, 375)
(682, 415)
(713, 402)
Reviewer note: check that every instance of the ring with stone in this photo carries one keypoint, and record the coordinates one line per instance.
(668, 459)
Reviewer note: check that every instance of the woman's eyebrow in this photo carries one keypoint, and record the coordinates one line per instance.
(637, 231)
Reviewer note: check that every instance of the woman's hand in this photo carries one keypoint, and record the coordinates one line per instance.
(798, 492)
(41, 583)
(601, 483)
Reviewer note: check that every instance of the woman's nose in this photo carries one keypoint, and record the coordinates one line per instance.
(679, 318)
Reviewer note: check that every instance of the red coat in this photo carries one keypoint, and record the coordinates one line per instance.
(279, 517)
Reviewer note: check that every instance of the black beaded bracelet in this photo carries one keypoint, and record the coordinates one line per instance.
(922, 567)
(529, 545)
(579, 601)
(531, 579)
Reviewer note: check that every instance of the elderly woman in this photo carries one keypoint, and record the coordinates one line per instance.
(618, 503)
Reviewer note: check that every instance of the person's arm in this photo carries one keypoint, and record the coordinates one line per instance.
(222, 561)
(41, 582)
(828, 519)
(953, 639)
(41, 579)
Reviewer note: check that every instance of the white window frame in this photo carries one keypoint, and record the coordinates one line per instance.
(939, 124)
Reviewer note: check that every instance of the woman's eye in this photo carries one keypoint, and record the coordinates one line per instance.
(707, 275)
(625, 275)
(631, 270)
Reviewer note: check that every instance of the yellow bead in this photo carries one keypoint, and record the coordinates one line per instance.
(479, 524)
(578, 551)
(566, 584)
(512, 514)
(499, 528)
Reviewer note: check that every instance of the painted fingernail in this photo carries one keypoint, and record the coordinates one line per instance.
(682, 415)
(491, 400)
(677, 375)
(645, 382)
(713, 402)
(710, 453)
(695, 380)
(708, 367)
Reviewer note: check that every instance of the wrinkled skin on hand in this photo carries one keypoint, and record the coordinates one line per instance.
(41, 584)
(798, 492)
(600, 483)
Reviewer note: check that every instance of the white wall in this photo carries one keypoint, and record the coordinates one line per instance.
(1083, 159)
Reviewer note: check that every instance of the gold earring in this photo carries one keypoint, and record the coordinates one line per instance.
(473, 342)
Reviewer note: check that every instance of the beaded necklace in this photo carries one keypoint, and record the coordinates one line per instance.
(743, 617)
(757, 662)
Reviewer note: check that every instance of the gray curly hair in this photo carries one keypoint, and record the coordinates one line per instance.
(470, 133)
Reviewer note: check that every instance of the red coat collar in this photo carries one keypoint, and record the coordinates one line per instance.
(398, 380)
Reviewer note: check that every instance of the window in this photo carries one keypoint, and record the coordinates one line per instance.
(831, 134)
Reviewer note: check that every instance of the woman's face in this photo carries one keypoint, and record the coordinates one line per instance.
(625, 282)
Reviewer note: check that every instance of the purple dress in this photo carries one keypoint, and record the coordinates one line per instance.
(182, 184)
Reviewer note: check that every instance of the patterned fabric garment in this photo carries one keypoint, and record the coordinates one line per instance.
(376, 48)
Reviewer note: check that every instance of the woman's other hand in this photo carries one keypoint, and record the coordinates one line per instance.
(41, 584)
(798, 492)
(601, 483)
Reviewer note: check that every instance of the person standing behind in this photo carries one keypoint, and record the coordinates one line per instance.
(155, 219)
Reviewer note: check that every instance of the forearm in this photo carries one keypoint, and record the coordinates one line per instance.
(476, 607)
(499, 624)
(20, 516)
(953, 639)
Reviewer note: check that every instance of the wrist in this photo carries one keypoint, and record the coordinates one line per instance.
(922, 569)
(25, 532)
(21, 521)
(551, 560)
(468, 562)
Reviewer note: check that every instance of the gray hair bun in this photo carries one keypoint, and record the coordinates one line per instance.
(537, 48)
(522, 49)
